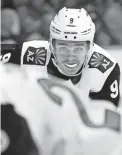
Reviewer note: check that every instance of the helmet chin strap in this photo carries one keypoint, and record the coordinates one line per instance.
(55, 63)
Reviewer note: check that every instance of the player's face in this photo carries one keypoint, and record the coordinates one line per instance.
(70, 55)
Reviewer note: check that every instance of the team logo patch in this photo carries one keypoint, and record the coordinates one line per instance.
(35, 56)
(100, 62)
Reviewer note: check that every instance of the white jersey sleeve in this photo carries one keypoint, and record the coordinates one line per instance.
(27, 53)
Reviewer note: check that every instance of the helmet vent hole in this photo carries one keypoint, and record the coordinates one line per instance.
(65, 36)
(65, 16)
(78, 16)
(74, 37)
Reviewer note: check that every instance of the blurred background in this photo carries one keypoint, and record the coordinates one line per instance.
(24, 20)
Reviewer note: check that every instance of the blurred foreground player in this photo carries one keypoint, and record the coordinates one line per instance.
(47, 118)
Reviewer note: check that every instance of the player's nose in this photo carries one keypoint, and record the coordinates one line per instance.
(71, 58)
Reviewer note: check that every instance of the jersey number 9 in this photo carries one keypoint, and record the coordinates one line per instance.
(114, 89)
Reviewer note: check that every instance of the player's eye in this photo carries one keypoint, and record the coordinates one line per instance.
(63, 50)
(78, 49)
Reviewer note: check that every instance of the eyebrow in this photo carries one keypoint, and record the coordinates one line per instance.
(77, 44)
(62, 44)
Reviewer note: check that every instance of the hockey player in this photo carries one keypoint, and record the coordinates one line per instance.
(48, 118)
(71, 55)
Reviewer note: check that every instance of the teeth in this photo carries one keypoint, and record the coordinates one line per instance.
(71, 65)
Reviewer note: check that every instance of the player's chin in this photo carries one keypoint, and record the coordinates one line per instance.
(71, 70)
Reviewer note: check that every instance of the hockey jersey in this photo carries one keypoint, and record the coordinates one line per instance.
(100, 77)
(48, 118)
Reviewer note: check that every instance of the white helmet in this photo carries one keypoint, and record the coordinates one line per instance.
(72, 25)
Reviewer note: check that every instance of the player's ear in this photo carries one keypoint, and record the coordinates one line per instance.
(54, 43)
(88, 45)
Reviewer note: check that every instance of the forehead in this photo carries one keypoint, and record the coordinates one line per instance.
(67, 43)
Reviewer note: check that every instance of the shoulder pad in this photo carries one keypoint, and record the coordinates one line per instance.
(35, 53)
(101, 59)
(103, 51)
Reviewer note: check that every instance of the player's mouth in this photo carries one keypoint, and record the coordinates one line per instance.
(73, 65)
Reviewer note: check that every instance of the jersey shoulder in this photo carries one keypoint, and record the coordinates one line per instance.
(35, 53)
(100, 59)
(102, 66)
(103, 51)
